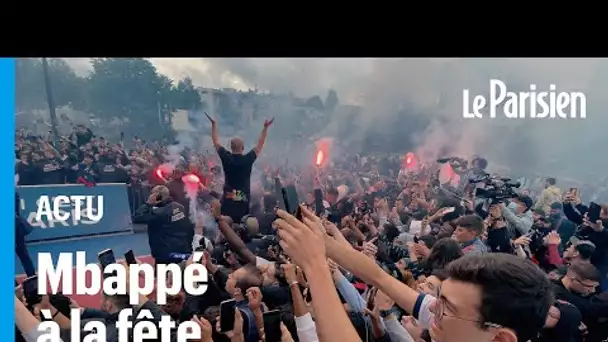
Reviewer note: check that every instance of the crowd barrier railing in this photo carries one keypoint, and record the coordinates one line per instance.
(115, 204)
(137, 196)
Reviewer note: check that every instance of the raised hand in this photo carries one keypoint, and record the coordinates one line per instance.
(212, 120)
(267, 122)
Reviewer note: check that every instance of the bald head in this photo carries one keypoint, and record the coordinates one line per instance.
(237, 145)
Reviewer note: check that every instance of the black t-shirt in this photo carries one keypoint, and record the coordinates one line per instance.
(28, 174)
(51, 171)
(237, 172)
(107, 172)
(567, 328)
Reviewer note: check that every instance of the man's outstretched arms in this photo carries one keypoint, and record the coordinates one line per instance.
(214, 133)
(262, 139)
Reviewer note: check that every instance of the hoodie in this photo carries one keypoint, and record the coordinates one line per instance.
(550, 195)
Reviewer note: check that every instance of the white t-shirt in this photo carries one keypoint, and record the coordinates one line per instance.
(422, 310)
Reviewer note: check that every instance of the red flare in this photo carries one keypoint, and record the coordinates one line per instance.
(320, 158)
(191, 178)
(409, 160)
(161, 174)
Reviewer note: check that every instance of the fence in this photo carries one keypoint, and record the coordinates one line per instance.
(137, 195)
(108, 200)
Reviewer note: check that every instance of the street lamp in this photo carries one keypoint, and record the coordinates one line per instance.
(49, 98)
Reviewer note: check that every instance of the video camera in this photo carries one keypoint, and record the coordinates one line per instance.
(496, 189)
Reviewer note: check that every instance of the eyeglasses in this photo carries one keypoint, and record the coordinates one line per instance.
(588, 286)
(440, 313)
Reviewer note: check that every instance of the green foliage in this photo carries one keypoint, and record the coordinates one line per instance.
(116, 87)
(68, 88)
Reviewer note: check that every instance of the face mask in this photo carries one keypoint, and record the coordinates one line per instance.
(556, 215)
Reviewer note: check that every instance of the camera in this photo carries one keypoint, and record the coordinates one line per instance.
(537, 236)
(496, 189)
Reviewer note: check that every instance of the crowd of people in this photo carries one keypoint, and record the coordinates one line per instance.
(367, 253)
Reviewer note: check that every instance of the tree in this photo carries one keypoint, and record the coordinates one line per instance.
(167, 95)
(30, 90)
(125, 87)
(331, 101)
(186, 95)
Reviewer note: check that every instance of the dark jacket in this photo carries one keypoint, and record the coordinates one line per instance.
(169, 229)
(178, 193)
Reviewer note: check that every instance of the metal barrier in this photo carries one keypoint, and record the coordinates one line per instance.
(137, 196)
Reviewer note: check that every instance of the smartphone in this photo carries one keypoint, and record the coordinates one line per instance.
(573, 192)
(30, 290)
(370, 300)
(290, 198)
(278, 190)
(227, 308)
(130, 258)
(106, 257)
(272, 326)
(593, 214)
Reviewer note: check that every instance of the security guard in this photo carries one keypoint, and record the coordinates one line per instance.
(170, 231)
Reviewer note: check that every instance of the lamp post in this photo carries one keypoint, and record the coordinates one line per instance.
(49, 98)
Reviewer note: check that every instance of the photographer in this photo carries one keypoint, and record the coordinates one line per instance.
(477, 170)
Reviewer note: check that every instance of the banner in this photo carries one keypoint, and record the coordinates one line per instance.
(116, 215)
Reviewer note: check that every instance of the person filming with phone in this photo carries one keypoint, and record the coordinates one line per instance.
(237, 170)
(170, 231)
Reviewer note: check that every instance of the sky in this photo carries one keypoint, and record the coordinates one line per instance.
(383, 85)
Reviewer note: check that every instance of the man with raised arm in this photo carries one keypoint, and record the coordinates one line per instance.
(237, 171)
